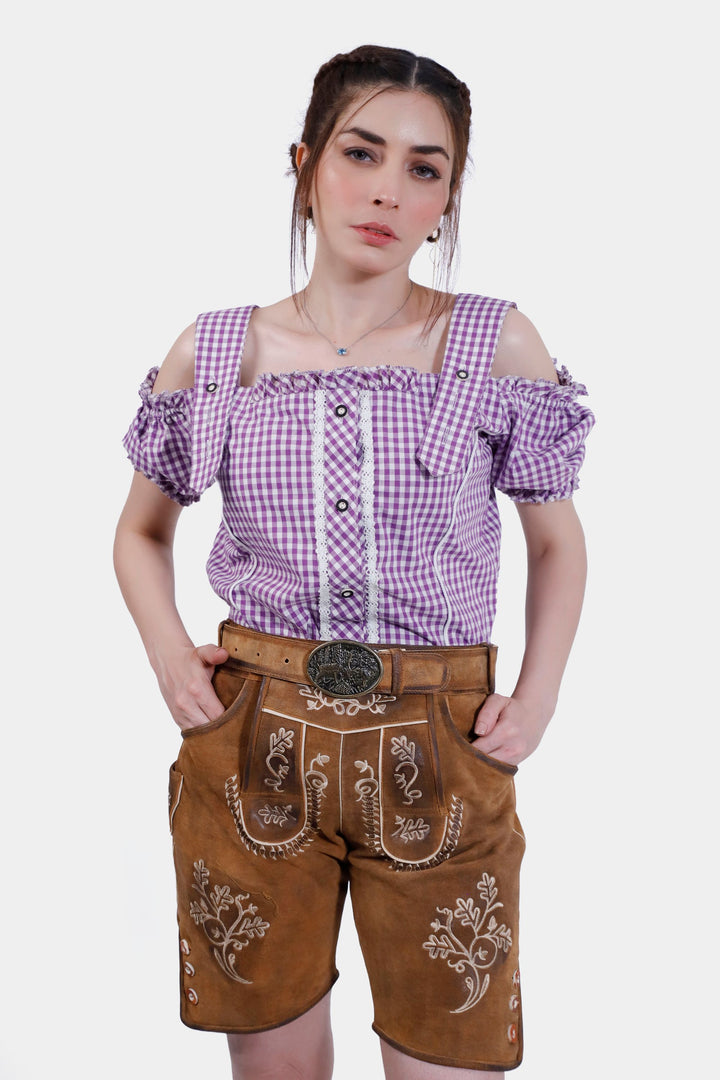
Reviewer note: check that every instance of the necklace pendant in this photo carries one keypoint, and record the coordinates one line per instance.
(342, 352)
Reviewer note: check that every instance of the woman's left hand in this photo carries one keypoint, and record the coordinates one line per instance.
(508, 729)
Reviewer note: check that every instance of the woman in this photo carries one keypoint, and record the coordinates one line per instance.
(346, 729)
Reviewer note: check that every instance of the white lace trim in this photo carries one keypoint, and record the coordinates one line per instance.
(367, 503)
(318, 483)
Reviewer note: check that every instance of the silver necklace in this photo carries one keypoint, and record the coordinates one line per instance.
(343, 350)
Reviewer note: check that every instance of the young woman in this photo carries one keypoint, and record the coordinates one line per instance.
(346, 728)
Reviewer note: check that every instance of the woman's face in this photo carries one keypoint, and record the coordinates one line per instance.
(383, 181)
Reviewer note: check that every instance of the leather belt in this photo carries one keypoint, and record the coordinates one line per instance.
(348, 668)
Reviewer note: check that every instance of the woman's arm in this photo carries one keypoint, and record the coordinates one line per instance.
(143, 556)
(511, 728)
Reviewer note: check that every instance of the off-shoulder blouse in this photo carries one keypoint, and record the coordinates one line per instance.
(359, 502)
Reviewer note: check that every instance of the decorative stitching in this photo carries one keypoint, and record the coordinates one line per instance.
(487, 940)
(208, 912)
(277, 815)
(281, 742)
(345, 706)
(315, 783)
(367, 789)
(405, 752)
(411, 828)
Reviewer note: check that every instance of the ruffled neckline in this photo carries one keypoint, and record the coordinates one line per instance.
(377, 378)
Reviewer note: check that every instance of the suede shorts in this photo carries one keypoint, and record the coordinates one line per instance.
(293, 795)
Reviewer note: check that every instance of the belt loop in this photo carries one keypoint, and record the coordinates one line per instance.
(221, 627)
(396, 660)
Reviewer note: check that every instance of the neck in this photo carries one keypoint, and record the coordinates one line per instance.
(345, 306)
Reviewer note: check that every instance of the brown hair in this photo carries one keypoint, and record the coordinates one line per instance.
(336, 85)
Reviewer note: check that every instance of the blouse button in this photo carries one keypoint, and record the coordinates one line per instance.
(211, 387)
(341, 410)
(347, 593)
(342, 505)
(462, 373)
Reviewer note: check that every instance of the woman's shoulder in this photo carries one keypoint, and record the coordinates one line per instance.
(520, 351)
(177, 371)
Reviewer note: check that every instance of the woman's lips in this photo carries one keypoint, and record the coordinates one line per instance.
(375, 233)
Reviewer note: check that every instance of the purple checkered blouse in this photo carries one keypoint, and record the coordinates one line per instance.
(360, 502)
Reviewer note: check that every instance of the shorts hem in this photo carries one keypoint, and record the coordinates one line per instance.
(256, 1029)
(457, 1063)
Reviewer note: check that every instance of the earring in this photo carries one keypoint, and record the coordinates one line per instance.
(435, 236)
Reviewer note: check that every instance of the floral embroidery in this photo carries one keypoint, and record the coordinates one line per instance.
(411, 829)
(280, 743)
(367, 794)
(276, 815)
(406, 771)
(367, 791)
(483, 945)
(345, 706)
(315, 783)
(228, 937)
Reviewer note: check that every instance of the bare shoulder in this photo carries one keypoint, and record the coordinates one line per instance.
(521, 351)
(178, 368)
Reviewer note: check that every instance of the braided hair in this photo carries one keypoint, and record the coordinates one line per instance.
(337, 83)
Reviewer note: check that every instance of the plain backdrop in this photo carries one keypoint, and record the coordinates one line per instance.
(145, 181)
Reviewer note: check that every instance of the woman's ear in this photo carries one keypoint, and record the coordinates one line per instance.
(301, 155)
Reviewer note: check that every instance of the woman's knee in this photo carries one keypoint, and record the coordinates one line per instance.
(299, 1050)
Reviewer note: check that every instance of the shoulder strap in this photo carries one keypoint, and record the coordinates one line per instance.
(475, 327)
(219, 341)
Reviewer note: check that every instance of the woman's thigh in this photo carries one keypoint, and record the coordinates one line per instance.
(302, 1048)
(399, 1066)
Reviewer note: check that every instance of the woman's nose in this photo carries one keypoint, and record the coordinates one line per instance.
(388, 202)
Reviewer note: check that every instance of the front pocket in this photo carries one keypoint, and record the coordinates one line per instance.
(175, 787)
(231, 687)
(458, 711)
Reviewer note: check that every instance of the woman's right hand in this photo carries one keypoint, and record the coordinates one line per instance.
(185, 679)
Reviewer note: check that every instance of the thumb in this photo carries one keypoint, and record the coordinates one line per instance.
(489, 713)
(212, 655)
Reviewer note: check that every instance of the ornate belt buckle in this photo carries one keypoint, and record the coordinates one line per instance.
(344, 668)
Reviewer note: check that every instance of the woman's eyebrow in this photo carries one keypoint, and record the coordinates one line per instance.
(377, 140)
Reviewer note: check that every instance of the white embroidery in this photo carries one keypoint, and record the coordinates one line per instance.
(406, 771)
(485, 942)
(281, 741)
(345, 706)
(318, 484)
(315, 783)
(276, 815)
(367, 788)
(411, 828)
(208, 912)
(367, 504)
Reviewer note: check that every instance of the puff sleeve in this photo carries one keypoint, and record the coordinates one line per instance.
(537, 431)
(159, 440)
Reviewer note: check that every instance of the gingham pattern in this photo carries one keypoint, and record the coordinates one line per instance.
(377, 522)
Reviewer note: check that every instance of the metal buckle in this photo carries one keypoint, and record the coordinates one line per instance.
(344, 668)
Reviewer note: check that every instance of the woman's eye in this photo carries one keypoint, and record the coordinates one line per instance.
(426, 172)
(358, 154)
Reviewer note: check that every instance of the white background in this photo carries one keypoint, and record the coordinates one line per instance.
(145, 183)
